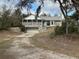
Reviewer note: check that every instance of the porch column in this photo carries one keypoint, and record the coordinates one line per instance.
(41, 23)
(53, 23)
(37, 24)
(32, 23)
(50, 23)
(27, 24)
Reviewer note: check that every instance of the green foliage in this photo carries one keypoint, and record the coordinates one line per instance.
(8, 20)
(4, 23)
(60, 30)
(23, 29)
(72, 27)
(4, 20)
(16, 18)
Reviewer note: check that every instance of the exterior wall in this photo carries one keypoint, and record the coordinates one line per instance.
(42, 25)
(52, 23)
(32, 29)
(57, 23)
(32, 24)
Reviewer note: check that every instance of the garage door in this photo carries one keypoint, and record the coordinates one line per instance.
(32, 30)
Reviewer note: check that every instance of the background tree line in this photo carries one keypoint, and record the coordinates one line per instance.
(8, 19)
(65, 6)
(71, 23)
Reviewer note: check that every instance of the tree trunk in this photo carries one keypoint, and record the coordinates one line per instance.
(76, 5)
(61, 7)
(64, 10)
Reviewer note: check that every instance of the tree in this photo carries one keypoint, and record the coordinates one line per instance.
(4, 19)
(68, 5)
(64, 6)
(16, 18)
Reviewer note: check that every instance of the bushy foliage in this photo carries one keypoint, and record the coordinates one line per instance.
(23, 29)
(8, 20)
(60, 30)
(16, 18)
(72, 27)
(4, 23)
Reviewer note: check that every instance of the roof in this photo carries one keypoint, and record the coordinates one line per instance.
(32, 17)
(52, 18)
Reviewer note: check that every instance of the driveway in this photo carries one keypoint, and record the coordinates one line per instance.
(21, 48)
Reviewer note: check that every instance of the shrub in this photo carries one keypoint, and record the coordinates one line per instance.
(23, 29)
(4, 24)
(7, 20)
(72, 28)
(60, 30)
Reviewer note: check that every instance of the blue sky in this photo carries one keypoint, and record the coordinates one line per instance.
(49, 7)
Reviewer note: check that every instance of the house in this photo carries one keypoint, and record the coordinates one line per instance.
(42, 22)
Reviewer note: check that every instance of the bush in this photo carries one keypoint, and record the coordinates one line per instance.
(60, 30)
(23, 29)
(72, 28)
(7, 20)
(4, 24)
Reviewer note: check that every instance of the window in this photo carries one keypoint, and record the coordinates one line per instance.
(48, 23)
(39, 20)
(52, 23)
(34, 20)
(29, 20)
(24, 20)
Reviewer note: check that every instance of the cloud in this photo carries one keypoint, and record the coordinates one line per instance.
(9, 5)
(49, 7)
(49, 4)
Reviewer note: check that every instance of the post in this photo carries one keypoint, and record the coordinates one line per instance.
(50, 23)
(67, 26)
(78, 25)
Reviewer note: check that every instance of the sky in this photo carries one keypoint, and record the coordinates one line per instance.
(49, 7)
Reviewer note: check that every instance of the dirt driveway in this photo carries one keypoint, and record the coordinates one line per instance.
(21, 48)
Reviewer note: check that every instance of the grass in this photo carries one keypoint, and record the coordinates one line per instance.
(68, 45)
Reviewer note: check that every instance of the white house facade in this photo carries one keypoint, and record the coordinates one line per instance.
(42, 22)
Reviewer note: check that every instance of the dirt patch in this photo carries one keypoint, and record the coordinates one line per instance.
(66, 45)
(20, 47)
(3, 47)
(6, 35)
(6, 38)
